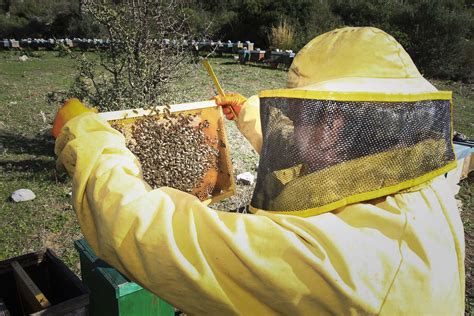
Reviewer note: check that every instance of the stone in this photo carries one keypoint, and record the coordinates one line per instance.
(246, 178)
(23, 195)
(43, 116)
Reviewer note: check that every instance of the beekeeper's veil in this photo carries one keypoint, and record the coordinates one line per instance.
(357, 122)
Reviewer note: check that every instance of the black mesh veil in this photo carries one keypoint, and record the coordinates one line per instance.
(318, 152)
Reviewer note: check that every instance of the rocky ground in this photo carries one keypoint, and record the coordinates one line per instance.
(244, 159)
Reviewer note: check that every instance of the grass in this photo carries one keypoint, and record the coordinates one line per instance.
(463, 100)
(27, 159)
(26, 149)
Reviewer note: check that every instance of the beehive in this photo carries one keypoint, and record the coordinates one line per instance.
(202, 119)
(111, 293)
(30, 280)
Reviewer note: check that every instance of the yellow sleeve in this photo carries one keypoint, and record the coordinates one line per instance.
(208, 262)
(248, 122)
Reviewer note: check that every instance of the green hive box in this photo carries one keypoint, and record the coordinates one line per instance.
(112, 293)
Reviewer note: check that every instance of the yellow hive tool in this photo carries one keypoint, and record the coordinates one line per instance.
(211, 73)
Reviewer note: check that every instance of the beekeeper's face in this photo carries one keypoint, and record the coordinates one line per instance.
(316, 140)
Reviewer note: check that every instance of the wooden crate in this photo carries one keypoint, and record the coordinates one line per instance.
(223, 180)
(40, 284)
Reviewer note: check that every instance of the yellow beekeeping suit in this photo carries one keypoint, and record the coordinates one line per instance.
(400, 254)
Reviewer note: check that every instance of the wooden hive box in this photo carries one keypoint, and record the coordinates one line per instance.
(111, 293)
(40, 284)
(217, 183)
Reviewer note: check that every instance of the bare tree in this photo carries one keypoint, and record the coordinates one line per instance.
(147, 50)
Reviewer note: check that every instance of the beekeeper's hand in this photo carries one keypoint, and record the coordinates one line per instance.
(70, 109)
(234, 100)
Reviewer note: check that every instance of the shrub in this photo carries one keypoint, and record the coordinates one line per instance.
(146, 53)
(435, 33)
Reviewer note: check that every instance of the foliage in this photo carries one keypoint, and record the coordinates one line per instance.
(45, 18)
(147, 52)
(438, 38)
(9, 25)
(62, 50)
(437, 34)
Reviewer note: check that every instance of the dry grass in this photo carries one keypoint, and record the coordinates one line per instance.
(282, 36)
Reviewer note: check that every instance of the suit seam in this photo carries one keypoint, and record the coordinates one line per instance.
(399, 265)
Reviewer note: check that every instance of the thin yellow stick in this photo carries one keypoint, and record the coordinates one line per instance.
(213, 76)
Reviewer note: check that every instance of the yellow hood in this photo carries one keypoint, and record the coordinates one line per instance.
(356, 59)
(360, 116)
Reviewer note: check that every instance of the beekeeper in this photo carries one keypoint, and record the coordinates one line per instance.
(352, 214)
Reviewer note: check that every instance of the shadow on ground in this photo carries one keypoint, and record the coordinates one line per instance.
(28, 165)
(24, 157)
(38, 145)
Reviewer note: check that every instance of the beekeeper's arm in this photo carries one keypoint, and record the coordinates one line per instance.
(247, 116)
